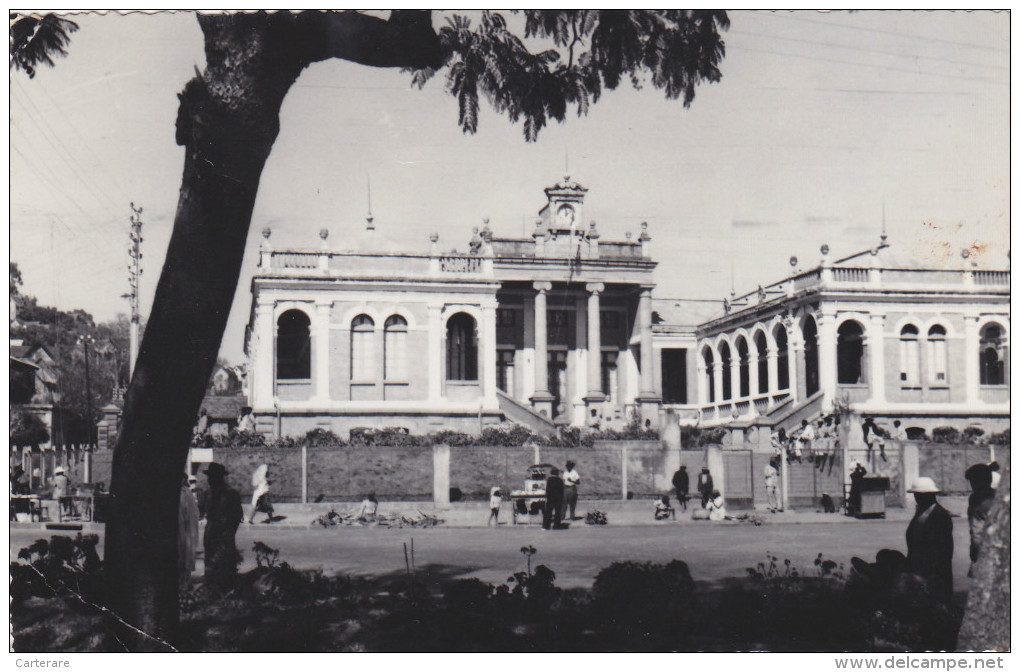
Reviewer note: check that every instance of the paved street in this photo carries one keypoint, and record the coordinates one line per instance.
(712, 551)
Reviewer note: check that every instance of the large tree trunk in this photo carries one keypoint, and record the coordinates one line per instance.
(228, 121)
(987, 620)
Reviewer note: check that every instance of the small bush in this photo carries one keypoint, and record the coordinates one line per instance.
(946, 435)
(649, 595)
(972, 434)
(1000, 439)
(322, 438)
(596, 517)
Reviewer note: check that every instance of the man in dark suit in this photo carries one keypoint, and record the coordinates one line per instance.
(705, 486)
(682, 485)
(553, 514)
(930, 541)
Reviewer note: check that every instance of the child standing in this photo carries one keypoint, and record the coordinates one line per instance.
(495, 500)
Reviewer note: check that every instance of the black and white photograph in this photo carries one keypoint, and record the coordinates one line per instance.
(510, 331)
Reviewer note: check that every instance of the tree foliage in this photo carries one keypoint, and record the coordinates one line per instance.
(36, 40)
(674, 50)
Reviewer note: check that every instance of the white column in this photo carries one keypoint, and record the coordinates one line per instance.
(435, 357)
(717, 380)
(827, 358)
(578, 361)
(487, 353)
(752, 370)
(595, 392)
(794, 353)
(321, 374)
(876, 355)
(644, 316)
(541, 342)
(972, 360)
(525, 366)
(264, 356)
(702, 379)
(773, 372)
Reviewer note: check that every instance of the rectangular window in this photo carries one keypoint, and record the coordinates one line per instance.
(506, 317)
(505, 370)
(909, 362)
(396, 355)
(609, 371)
(363, 356)
(674, 376)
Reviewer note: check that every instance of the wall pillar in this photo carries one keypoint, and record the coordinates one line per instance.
(487, 353)
(542, 399)
(441, 475)
(714, 462)
(827, 358)
(262, 356)
(648, 397)
(435, 358)
(876, 356)
(321, 358)
(752, 371)
(595, 394)
(972, 360)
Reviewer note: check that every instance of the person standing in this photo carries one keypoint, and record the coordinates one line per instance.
(246, 420)
(187, 532)
(495, 501)
(898, 433)
(806, 438)
(224, 515)
(571, 479)
(705, 486)
(682, 485)
(930, 540)
(873, 437)
(260, 494)
(552, 516)
(980, 503)
(62, 490)
(771, 482)
(996, 476)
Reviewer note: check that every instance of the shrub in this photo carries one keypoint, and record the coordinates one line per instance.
(696, 437)
(648, 595)
(946, 435)
(1000, 439)
(596, 517)
(322, 438)
(972, 434)
(58, 567)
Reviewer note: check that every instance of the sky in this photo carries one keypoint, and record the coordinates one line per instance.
(824, 128)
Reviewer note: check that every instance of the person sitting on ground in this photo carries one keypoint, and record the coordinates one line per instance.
(369, 508)
(495, 500)
(663, 509)
(717, 507)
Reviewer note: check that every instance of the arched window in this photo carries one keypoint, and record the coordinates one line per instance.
(993, 355)
(810, 355)
(782, 358)
(910, 356)
(293, 346)
(395, 349)
(461, 348)
(850, 353)
(706, 355)
(744, 362)
(727, 365)
(363, 366)
(762, 346)
(938, 359)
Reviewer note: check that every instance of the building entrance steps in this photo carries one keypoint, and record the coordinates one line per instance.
(521, 413)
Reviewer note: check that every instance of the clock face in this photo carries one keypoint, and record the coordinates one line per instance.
(565, 216)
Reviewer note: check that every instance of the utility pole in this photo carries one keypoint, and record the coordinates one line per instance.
(134, 274)
(88, 389)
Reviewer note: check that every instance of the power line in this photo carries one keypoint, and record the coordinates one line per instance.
(869, 51)
(926, 38)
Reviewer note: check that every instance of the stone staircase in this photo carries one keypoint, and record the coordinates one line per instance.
(521, 413)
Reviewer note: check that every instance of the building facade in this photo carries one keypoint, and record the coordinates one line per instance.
(561, 328)
(542, 330)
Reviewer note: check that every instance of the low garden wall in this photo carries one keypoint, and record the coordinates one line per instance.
(348, 473)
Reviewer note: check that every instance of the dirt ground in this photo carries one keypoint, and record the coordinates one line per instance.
(576, 555)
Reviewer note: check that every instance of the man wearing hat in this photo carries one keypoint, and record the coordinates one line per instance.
(62, 490)
(223, 515)
(930, 540)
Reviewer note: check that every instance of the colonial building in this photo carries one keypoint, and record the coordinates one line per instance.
(553, 328)
(874, 332)
(540, 330)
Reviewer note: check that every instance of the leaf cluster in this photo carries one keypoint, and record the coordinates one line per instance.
(673, 50)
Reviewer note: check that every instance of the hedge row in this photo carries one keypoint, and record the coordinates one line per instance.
(507, 435)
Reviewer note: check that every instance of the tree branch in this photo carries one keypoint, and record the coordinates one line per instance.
(406, 40)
